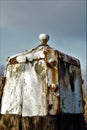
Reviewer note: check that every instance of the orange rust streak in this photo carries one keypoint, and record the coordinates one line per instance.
(56, 54)
(54, 76)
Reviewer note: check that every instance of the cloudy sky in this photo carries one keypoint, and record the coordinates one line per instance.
(21, 22)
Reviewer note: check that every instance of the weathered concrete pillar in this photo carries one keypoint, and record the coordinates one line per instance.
(42, 87)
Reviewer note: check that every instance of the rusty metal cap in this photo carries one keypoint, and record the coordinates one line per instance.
(44, 38)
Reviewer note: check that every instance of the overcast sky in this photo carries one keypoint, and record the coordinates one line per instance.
(21, 22)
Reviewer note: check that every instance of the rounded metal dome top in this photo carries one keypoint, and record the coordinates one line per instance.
(44, 38)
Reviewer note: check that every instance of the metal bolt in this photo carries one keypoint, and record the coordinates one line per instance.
(44, 38)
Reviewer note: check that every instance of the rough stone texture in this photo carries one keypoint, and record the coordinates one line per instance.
(10, 122)
(61, 122)
(15, 122)
(38, 123)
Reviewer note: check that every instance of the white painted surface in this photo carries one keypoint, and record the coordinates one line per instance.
(34, 95)
(24, 91)
(12, 94)
(43, 36)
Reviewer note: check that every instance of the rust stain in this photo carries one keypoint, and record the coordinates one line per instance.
(56, 54)
(52, 88)
(54, 75)
(58, 110)
(13, 60)
(52, 64)
(69, 59)
(2, 83)
(53, 100)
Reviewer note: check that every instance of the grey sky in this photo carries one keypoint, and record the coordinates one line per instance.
(21, 21)
(65, 17)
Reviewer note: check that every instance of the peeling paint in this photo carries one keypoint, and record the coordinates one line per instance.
(70, 88)
(41, 82)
